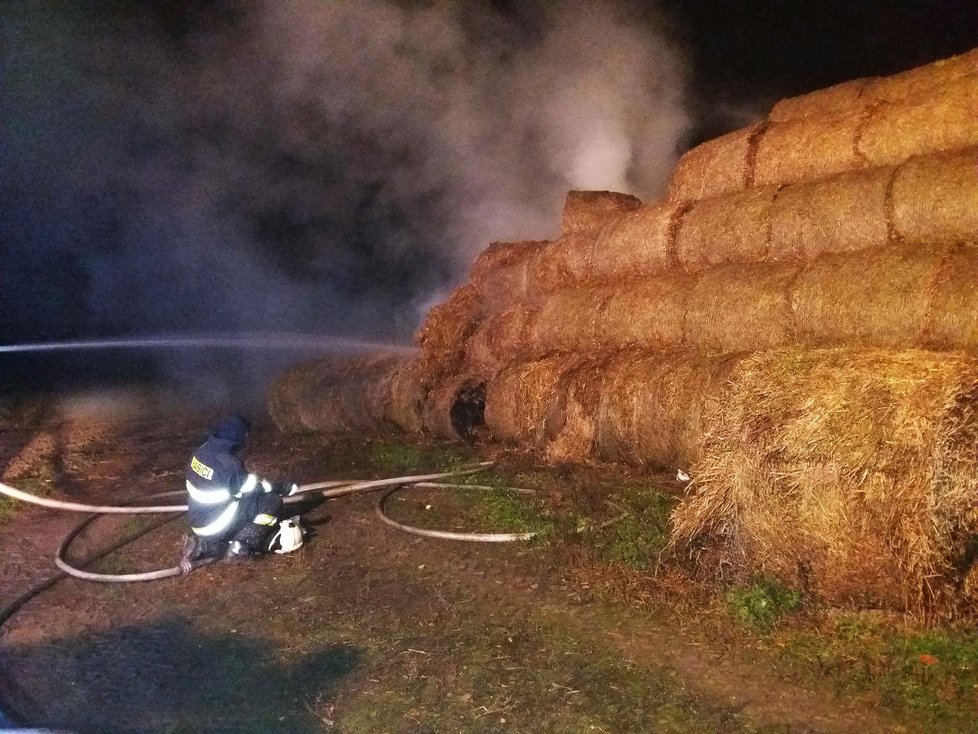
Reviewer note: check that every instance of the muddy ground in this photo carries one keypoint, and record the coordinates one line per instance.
(369, 629)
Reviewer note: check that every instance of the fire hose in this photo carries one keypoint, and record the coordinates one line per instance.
(328, 490)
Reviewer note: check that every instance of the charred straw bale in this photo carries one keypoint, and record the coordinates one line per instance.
(522, 400)
(874, 298)
(638, 243)
(843, 98)
(943, 120)
(841, 213)
(586, 212)
(850, 474)
(445, 411)
(935, 198)
(447, 326)
(734, 307)
(724, 229)
(716, 166)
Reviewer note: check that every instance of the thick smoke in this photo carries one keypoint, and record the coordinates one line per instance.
(302, 165)
(306, 165)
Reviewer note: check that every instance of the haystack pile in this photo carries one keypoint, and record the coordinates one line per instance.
(795, 325)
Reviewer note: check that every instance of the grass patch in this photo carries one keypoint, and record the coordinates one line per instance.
(639, 533)
(762, 604)
(930, 676)
(496, 509)
(399, 458)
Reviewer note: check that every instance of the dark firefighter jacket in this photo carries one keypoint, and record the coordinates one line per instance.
(217, 481)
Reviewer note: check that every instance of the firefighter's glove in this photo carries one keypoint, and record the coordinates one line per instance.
(286, 489)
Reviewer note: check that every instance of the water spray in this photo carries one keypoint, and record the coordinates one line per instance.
(259, 341)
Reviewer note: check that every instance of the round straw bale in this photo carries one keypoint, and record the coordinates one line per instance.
(501, 339)
(841, 98)
(587, 211)
(715, 167)
(874, 298)
(807, 149)
(650, 313)
(849, 474)
(952, 322)
(654, 406)
(942, 121)
(573, 429)
(725, 229)
(406, 390)
(445, 329)
(568, 321)
(334, 395)
(922, 80)
(639, 243)
(522, 399)
(501, 274)
(441, 405)
(739, 307)
(844, 212)
(558, 264)
(935, 198)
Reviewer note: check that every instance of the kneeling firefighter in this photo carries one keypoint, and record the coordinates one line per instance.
(234, 513)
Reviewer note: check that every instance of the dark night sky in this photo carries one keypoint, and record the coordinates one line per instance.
(159, 173)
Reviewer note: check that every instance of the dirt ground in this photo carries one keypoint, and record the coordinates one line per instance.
(365, 629)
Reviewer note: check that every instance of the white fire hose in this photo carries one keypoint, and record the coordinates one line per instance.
(330, 489)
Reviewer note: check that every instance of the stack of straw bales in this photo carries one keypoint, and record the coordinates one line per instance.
(795, 325)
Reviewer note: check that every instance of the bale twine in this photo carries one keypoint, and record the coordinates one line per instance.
(723, 229)
(649, 314)
(844, 98)
(952, 322)
(876, 298)
(841, 213)
(849, 474)
(521, 399)
(734, 307)
(639, 243)
(445, 329)
(807, 149)
(716, 166)
(944, 120)
(585, 212)
(654, 406)
(935, 198)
